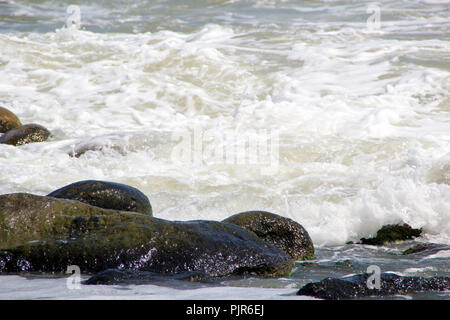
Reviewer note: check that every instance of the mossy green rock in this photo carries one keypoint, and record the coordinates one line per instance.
(46, 234)
(26, 217)
(391, 233)
(282, 232)
(107, 195)
(8, 120)
(25, 134)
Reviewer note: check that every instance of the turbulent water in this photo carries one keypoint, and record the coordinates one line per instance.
(333, 113)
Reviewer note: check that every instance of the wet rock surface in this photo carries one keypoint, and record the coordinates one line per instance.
(25, 134)
(282, 232)
(8, 120)
(47, 234)
(426, 249)
(107, 195)
(391, 233)
(356, 286)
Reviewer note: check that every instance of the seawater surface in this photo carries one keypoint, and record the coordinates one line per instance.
(349, 99)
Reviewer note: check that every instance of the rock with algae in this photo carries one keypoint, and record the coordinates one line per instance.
(391, 233)
(47, 234)
(107, 195)
(25, 134)
(8, 120)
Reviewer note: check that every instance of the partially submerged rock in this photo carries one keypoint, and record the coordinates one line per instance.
(392, 233)
(426, 248)
(116, 276)
(8, 120)
(356, 286)
(282, 232)
(107, 195)
(25, 134)
(46, 234)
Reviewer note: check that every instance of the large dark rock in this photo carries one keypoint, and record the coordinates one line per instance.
(282, 232)
(107, 195)
(392, 233)
(356, 286)
(46, 234)
(78, 151)
(24, 134)
(8, 120)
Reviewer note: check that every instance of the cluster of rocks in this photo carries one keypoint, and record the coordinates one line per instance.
(108, 230)
(392, 233)
(13, 132)
(100, 225)
(390, 284)
(356, 286)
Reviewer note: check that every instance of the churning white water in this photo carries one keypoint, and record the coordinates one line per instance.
(333, 113)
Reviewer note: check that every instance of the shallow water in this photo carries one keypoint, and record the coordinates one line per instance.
(309, 109)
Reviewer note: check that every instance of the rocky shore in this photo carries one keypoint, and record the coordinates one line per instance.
(48, 233)
(109, 231)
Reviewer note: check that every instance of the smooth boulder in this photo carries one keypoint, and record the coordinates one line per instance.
(45, 234)
(27, 133)
(116, 276)
(26, 217)
(78, 151)
(426, 249)
(356, 286)
(107, 195)
(8, 120)
(282, 232)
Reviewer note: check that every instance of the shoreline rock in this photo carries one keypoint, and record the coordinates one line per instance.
(46, 234)
(107, 195)
(279, 231)
(392, 233)
(24, 134)
(8, 120)
(356, 286)
(26, 217)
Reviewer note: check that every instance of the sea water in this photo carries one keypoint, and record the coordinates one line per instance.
(335, 114)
